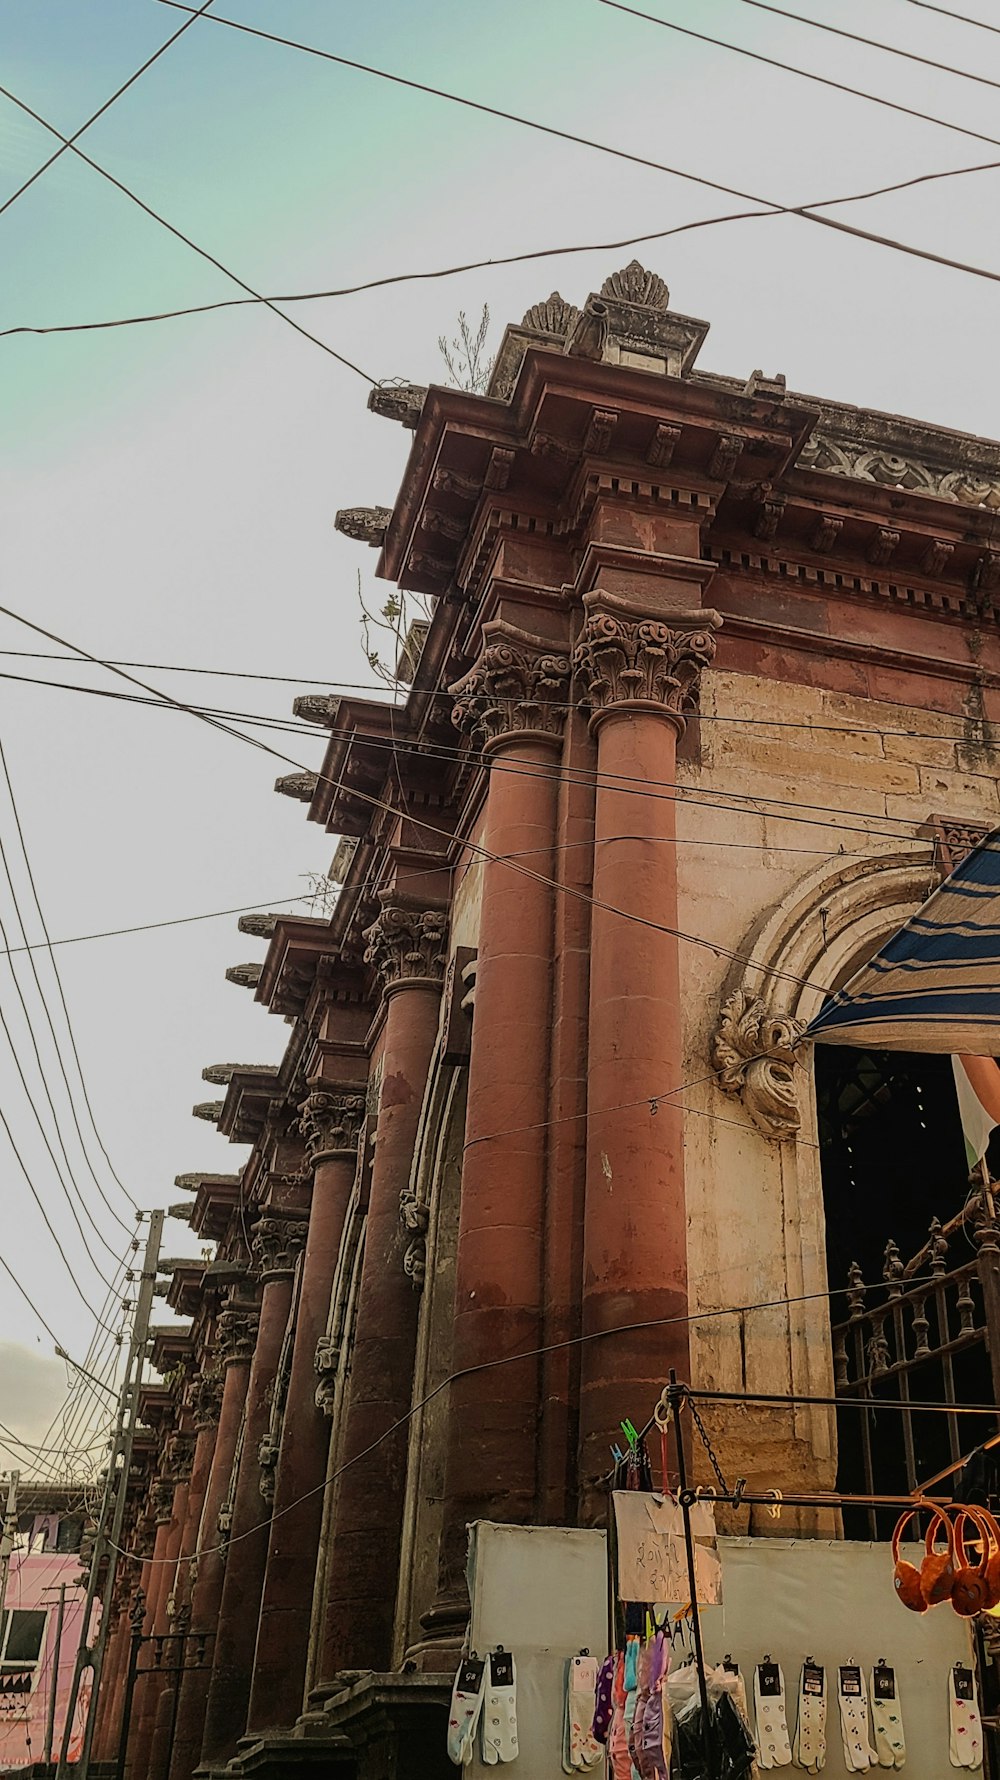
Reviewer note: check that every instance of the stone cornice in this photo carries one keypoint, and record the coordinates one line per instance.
(516, 688)
(629, 659)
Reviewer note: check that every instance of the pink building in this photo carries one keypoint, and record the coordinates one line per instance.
(47, 1555)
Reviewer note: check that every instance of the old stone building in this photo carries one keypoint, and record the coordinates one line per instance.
(703, 711)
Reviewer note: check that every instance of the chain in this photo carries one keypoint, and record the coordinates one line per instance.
(707, 1444)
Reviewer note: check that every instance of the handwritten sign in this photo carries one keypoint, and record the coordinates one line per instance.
(652, 1557)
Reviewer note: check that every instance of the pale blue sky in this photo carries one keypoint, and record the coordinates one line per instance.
(169, 490)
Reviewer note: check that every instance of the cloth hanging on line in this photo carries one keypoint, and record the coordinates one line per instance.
(652, 1556)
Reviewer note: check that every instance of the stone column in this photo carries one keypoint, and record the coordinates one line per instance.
(407, 949)
(513, 701)
(218, 1407)
(202, 1399)
(173, 1487)
(245, 1341)
(640, 672)
(331, 1123)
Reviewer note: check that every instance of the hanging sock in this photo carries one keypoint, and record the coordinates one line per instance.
(966, 1742)
(810, 1728)
(603, 1702)
(466, 1706)
(499, 1718)
(859, 1755)
(581, 1750)
(887, 1718)
(773, 1747)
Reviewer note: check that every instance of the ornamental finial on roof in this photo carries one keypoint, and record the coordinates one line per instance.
(635, 285)
(554, 316)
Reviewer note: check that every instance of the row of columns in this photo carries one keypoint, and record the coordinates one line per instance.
(572, 1218)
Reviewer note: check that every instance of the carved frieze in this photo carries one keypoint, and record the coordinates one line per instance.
(407, 945)
(626, 657)
(517, 686)
(754, 1053)
(236, 1333)
(331, 1124)
(842, 457)
(277, 1244)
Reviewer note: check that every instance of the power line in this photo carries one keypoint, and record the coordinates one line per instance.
(890, 49)
(576, 1341)
(179, 233)
(961, 17)
(246, 908)
(92, 119)
(824, 80)
(808, 213)
(543, 253)
(717, 950)
(62, 998)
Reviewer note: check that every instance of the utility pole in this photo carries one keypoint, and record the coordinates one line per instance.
(109, 1526)
(50, 1722)
(7, 1539)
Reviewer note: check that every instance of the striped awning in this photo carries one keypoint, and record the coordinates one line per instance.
(935, 986)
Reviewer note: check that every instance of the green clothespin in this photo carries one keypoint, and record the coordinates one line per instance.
(630, 1434)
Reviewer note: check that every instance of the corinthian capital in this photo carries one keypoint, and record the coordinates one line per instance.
(407, 946)
(331, 1124)
(277, 1242)
(517, 687)
(236, 1335)
(627, 658)
(204, 1399)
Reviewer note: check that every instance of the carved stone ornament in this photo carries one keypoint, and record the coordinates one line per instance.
(331, 1124)
(754, 1054)
(367, 525)
(236, 1334)
(180, 1457)
(326, 1363)
(847, 457)
(415, 1263)
(161, 1500)
(625, 658)
(245, 976)
(209, 1110)
(259, 926)
(407, 945)
(267, 1455)
(301, 786)
(636, 285)
(277, 1244)
(554, 316)
(321, 708)
(517, 687)
(398, 401)
(204, 1398)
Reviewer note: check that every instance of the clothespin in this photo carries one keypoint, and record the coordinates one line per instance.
(617, 1454)
(630, 1433)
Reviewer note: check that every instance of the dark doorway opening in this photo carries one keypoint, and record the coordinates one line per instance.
(893, 1161)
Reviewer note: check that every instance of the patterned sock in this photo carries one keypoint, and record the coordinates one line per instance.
(859, 1755)
(582, 1751)
(466, 1706)
(774, 1748)
(810, 1728)
(499, 1720)
(887, 1718)
(966, 1743)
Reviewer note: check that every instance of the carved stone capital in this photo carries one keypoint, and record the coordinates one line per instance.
(754, 1054)
(236, 1334)
(331, 1124)
(161, 1500)
(277, 1243)
(204, 1398)
(407, 946)
(626, 658)
(517, 687)
(180, 1457)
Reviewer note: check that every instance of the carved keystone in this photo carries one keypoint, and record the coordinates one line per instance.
(755, 1057)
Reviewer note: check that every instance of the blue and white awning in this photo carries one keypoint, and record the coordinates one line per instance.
(935, 986)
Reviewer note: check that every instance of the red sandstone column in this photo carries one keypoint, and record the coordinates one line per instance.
(206, 1592)
(331, 1123)
(144, 1717)
(246, 1518)
(514, 702)
(640, 671)
(407, 948)
(202, 1397)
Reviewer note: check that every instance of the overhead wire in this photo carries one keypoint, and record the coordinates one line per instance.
(891, 49)
(106, 106)
(534, 1353)
(179, 233)
(716, 948)
(962, 18)
(62, 1001)
(825, 80)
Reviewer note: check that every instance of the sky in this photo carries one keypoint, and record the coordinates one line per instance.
(168, 490)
